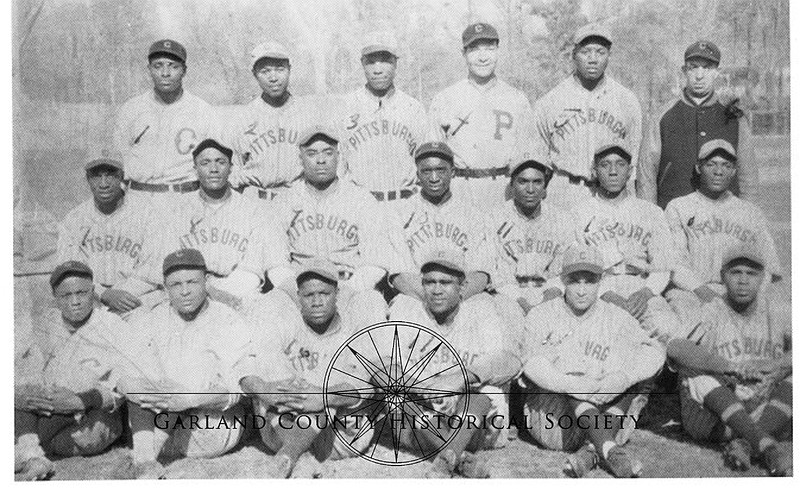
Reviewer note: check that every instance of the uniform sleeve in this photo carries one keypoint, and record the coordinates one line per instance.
(120, 137)
(373, 234)
(661, 254)
(767, 242)
(683, 276)
(649, 160)
(436, 118)
(68, 243)
(748, 168)
(497, 363)
(235, 351)
(479, 256)
(647, 355)
(636, 136)
(542, 137)
(270, 246)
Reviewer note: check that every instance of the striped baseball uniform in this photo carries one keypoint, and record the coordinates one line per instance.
(572, 122)
(110, 244)
(156, 139)
(264, 141)
(379, 137)
(455, 224)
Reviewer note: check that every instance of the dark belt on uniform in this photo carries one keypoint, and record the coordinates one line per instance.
(482, 173)
(629, 270)
(267, 193)
(180, 188)
(531, 281)
(393, 194)
(575, 179)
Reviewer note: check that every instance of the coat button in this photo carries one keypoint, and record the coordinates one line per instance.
(702, 133)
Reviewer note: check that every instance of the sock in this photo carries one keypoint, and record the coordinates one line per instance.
(724, 403)
(778, 411)
(600, 437)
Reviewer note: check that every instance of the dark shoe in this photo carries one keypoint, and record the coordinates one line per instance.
(621, 465)
(581, 462)
(472, 467)
(737, 454)
(778, 459)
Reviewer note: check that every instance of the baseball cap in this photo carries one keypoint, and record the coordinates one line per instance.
(377, 42)
(582, 258)
(480, 30)
(703, 49)
(716, 146)
(617, 148)
(68, 268)
(434, 148)
(529, 159)
(269, 49)
(591, 30)
(747, 251)
(97, 163)
(450, 259)
(211, 143)
(320, 268)
(182, 259)
(314, 131)
(168, 46)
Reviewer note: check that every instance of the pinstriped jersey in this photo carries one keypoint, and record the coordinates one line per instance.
(484, 126)
(110, 244)
(379, 138)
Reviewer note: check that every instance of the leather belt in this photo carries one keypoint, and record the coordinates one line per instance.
(267, 194)
(180, 188)
(531, 281)
(393, 194)
(626, 269)
(575, 179)
(482, 173)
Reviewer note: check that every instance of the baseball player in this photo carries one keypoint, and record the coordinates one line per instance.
(477, 334)
(108, 232)
(584, 111)
(156, 131)
(483, 119)
(187, 355)
(292, 354)
(736, 369)
(707, 222)
(634, 240)
(65, 404)
(382, 127)
(264, 133)
(700, 114)
(437, 219)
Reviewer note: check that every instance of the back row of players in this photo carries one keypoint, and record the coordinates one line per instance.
(256, 215)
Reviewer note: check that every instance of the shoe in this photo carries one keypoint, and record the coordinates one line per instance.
(36, 469)
(620, 464)
(150, 470)
(443, 466)
(281, 467)
(472, 467)
(628, 425)
(581, 462)
(737, 454)
(778, 459)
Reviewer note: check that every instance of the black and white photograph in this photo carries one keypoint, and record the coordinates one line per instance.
(406, 239)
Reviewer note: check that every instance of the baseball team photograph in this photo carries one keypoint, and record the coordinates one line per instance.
(325, 239)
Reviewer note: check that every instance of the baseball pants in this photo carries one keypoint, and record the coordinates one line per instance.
(65, 435)
(200, 443)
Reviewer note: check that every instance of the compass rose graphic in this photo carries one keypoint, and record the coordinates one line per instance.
(396, 365)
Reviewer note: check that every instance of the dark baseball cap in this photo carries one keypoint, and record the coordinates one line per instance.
(617, 148)
(70, 268)
(451, 260)
(703, 49)
(582, 258)
(528, 158)
(318, 268)
(589, 31)
(434, 148)
(717, 146)
(211, 143)
(317, 131)
(103, 162)
(182, 259)
(743, 251)
(168, 46)
(480, 30)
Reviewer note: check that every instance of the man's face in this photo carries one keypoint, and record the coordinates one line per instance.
(580, 290)
(320, 160)
(442, 291)
(700, 76)
(742, 280)
(105, 184)
(528, 188)
(481, 57)
(317, 301)
(272, 76)
(613, 172)
(591, 60)
(167, 73)
(716, 173)
(186, 289)
(434, 176)
(379, 68)
(75, 298)
(213, 169)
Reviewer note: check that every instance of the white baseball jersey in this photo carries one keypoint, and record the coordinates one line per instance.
(343, 224)
(77, 359)
(379, 137)
(156, 140)
(528, 249)
(210, 351)
(572, 122)
(484, 126)
(456, 224)
(264, 140)
(110, 244)
(604, 339)
(703, 229)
